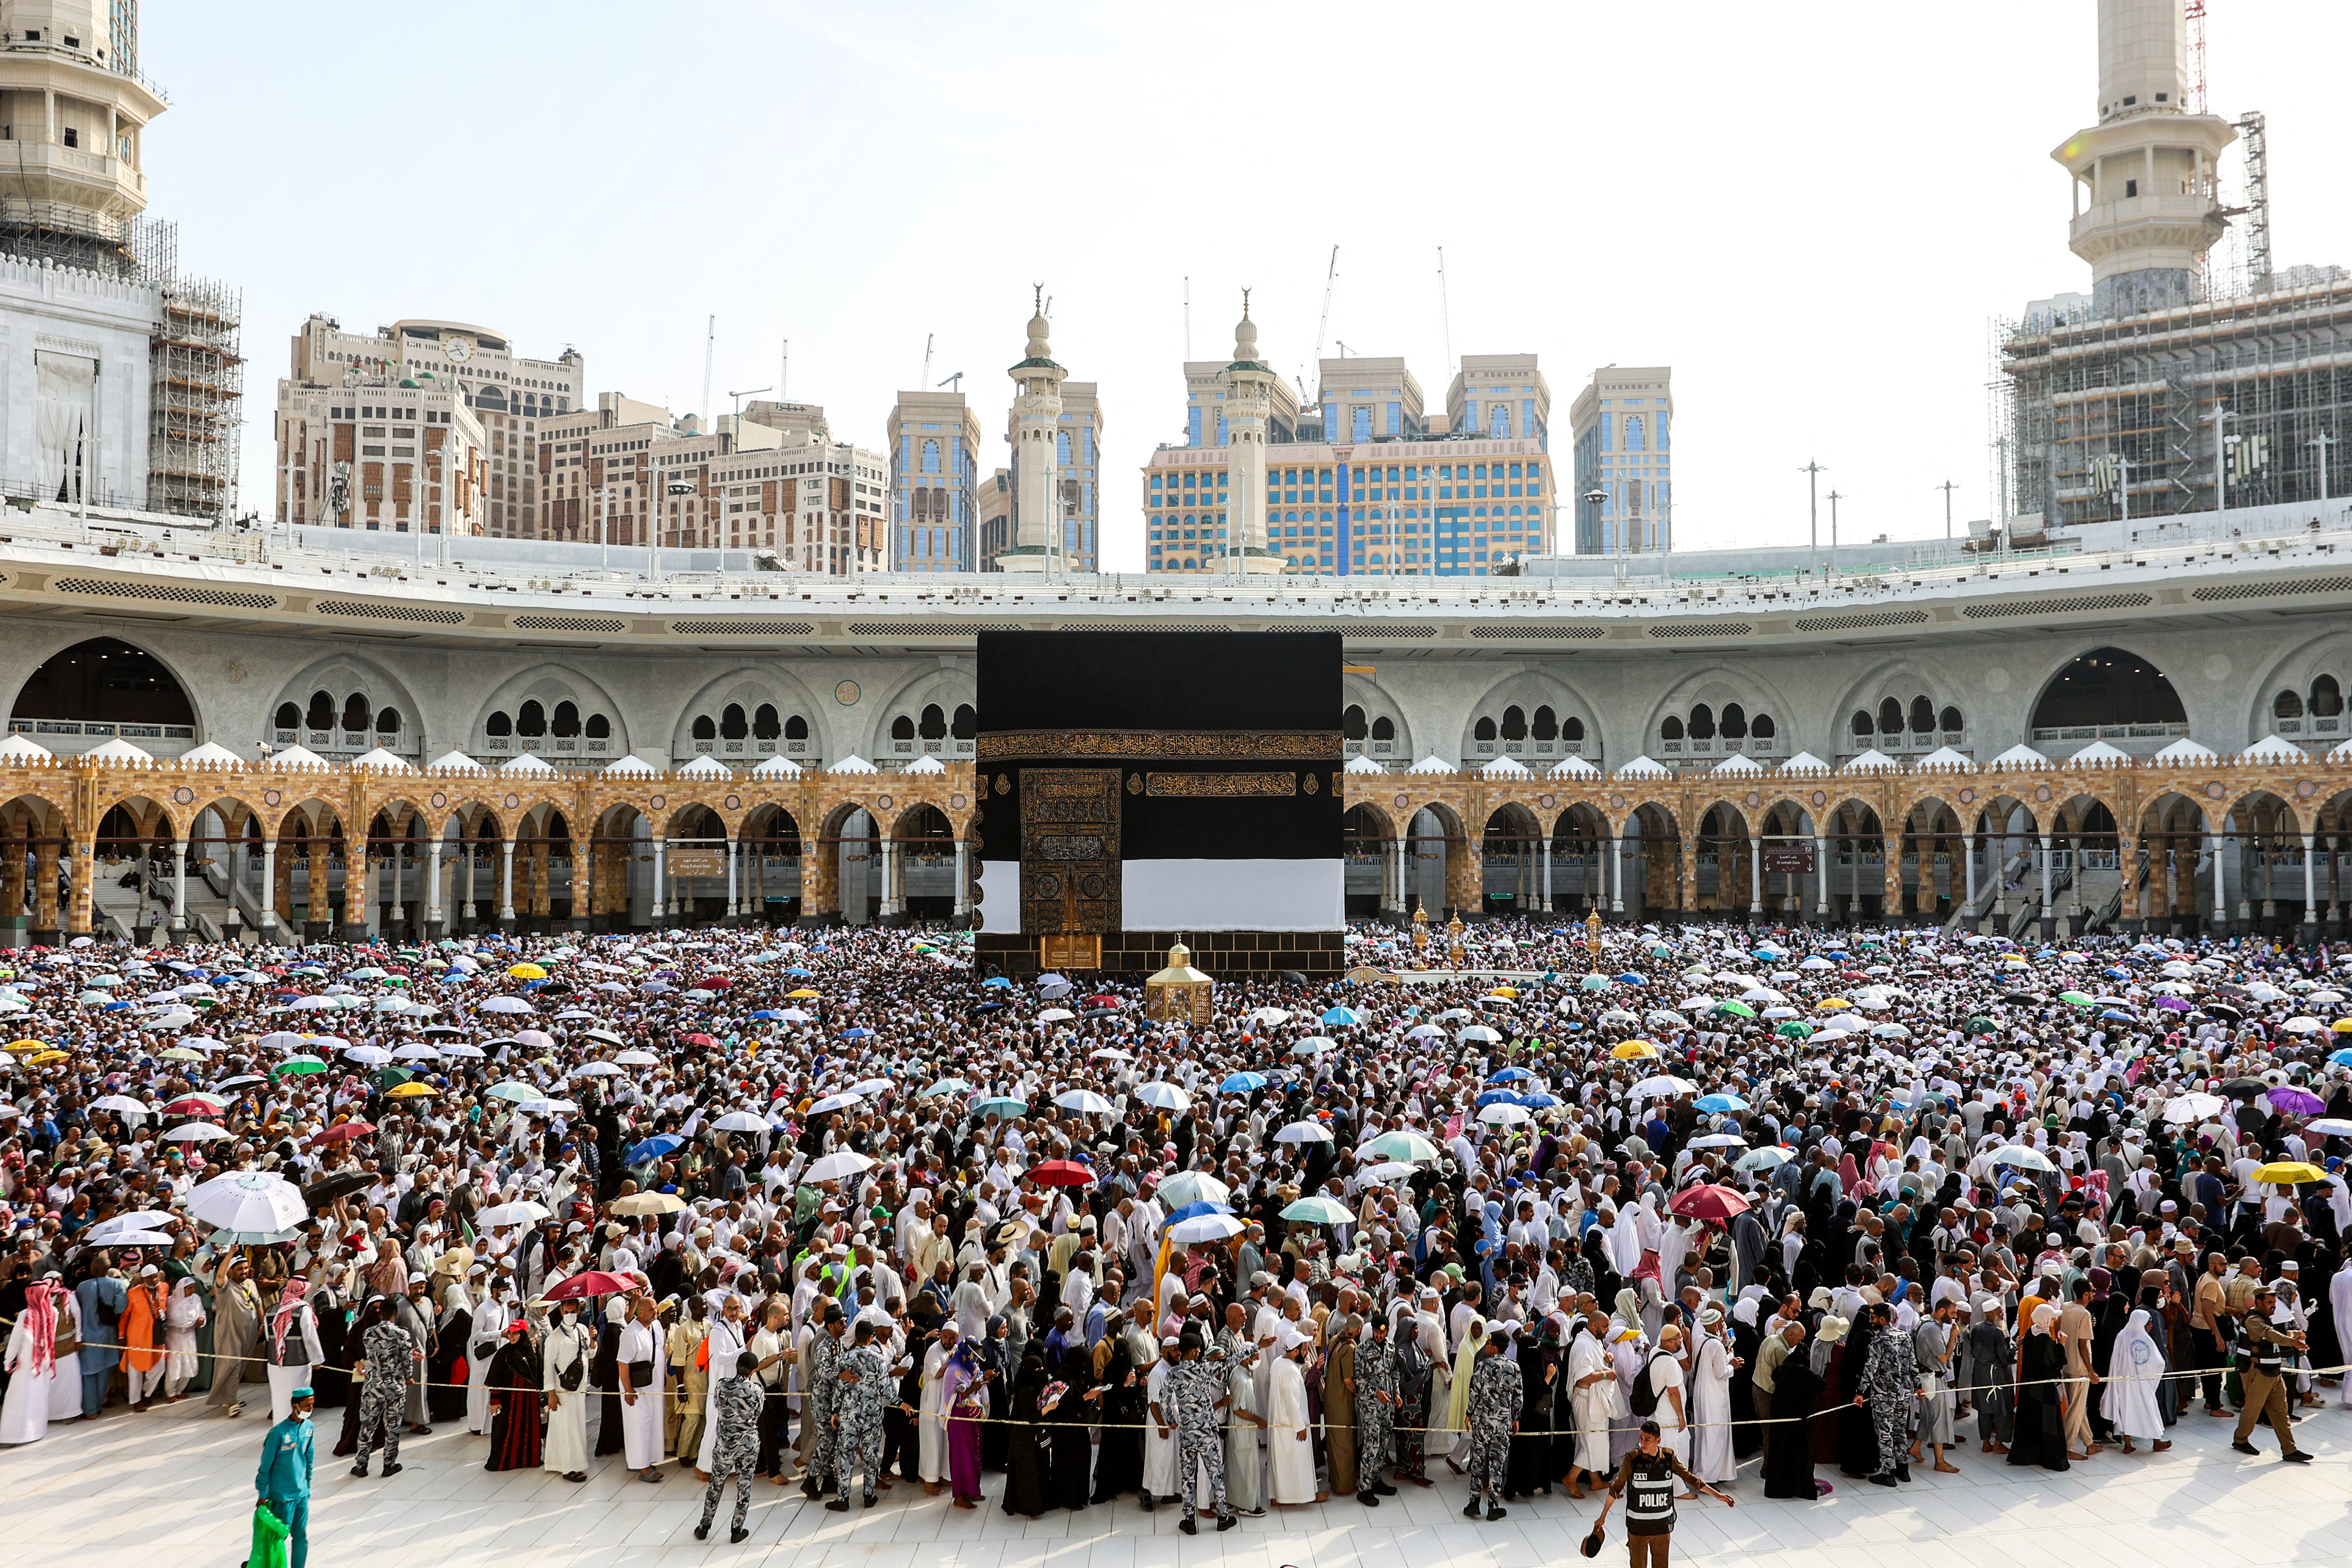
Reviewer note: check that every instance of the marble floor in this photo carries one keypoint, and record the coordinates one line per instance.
(109, 1493)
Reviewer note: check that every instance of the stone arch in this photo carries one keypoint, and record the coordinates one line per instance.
(339, 677)
(946, 690)
(36, 832)
(1506, 720)
(784, 729)
(2107, 689)
(1700, 700)
(73, 701)
(522, 714)
(1906, 691)
(1371, 722)
(1724, 858)
(2300, 694)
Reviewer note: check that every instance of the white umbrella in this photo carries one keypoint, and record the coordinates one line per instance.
(521, 1212)
(638, 1060)
(2023, 1157)
(832, 1102)
(417, 1051)
(249, 1200)
(121, 1102)
(834, 1167)
(547, 1107)
(1719, 1141)
(1501, 1112)
(2193, 1107)
(1665, 1084)
(137, 1219)
(1270, 1016)
(1392, 1170)
(1477, 1034)
(604, 1069)
(1205, 1228)
(1084, 1101)
(1164, 1097)
(1194, 1188)
(1303, 1132)
(461, 1049)
(368, 1056)
(741, 1122)
(195, 1132)
(506, 1004)
(1054, 1014)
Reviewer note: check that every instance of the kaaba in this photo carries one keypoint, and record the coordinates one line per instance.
(1143, 787)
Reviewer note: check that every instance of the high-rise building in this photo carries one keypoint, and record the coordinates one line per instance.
(121, 383)
(934, 483)
(508, 393)
(2177, 386)
(1077, 461)
(995, 517)
(1363, 483)
(819, 505)
(380, 456)
(595, 471)
(1622, 426)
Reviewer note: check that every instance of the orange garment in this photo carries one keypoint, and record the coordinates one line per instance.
(142, 1326)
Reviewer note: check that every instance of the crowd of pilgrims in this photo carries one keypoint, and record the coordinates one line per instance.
(1914, 1194)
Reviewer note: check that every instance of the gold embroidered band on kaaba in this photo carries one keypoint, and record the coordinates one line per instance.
(1204, 745)
(1220, 786)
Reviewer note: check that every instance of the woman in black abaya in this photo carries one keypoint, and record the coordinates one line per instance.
(1028, 1461)
(1789, 1462)
(2039, 1437)
(1857, 1445)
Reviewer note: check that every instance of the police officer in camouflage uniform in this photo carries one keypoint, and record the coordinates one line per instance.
(390, 1359)
(736, 1404)
(1197, 1389)
(818, 1377)
(1493, 1414)
(1890, 1386)
(862, 1384)
(1376, 1399)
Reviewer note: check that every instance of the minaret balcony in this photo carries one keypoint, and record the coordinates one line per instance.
(45, 171)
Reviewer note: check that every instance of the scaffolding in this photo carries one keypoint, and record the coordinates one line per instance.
(196, 396)
(64, 235)
(2260, 375)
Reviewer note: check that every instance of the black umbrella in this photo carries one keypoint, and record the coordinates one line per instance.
(320, 1194)
(2223, 1010)
(2244, 1088)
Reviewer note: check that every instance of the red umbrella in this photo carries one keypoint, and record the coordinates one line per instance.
(596, 1282)
(342, 1131)
(1709, 1202)
(1061, 1173)
(191, 1108)
(715, 982)
(696, 1040)
(1104, 1000)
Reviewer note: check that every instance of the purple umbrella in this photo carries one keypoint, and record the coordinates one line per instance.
(2296, 1101)
(2172, 1003)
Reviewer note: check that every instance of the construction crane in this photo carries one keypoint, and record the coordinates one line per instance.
(2195, 17)
(2253, 128)
(1331, 277)
(925, 380)
(955, 381)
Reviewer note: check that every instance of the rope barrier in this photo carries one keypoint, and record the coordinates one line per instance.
(675, 1390)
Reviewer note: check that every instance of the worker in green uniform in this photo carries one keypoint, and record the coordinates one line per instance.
(283, 1481)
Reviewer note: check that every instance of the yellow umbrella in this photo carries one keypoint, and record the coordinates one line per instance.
(2288, 1174)
(1503, 991)
(28, 1044)
(410, 1091)
(1632, 1050)
(525, 972)
(1832, 1003)
(46, 1058)
(803, 991)
(2341, 1025)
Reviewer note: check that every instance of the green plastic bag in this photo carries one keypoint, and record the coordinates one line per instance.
(270, 1534)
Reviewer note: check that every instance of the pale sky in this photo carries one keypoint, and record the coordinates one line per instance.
(1812, 210)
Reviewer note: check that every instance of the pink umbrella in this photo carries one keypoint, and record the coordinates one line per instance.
(1707, 1202)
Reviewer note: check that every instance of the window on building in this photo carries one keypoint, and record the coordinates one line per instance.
(1890, 716)
(1702, 723)
(567, 720)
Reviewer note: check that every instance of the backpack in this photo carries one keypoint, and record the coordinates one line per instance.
(1644, 1398)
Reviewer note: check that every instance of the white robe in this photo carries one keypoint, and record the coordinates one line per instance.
(566, 1445)
(1159, 1452)
(1595, 1406)
(24, 1416)
(1244, 1442)
(1436, 1443)
(489, 1332)
(1291, 1462)
(727, 1341)
(65, 1395)
(931, 1429)
(1710, 1395)
(641, 1423)
(2135, 1373)
(2340, 1302)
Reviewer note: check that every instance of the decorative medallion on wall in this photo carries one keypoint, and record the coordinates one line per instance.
(884, 803)
(1310, 783)
(270, 797)
(1821, 798)
(1545, 801)
(846, 693)
(2042, 793)
(658, 802)
(734, 802)
(513, 801)
(1754, 798)
(183, 795)
(439, 800)
(1135, 784)
(2304, 789)
(1967, 796)
(2213, 791)
(1003, 784)
(956, 801)
(1401, 802)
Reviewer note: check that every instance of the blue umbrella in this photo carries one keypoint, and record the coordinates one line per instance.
(2342, 1059)
(1715, 1104)
(1497, 1096)
(1342, 1015)
(1509, 1075)
(1194, 1211)
(1540, 1100)
(800, 974)
(767, 1013)
(860, 1033)
(2118, 1014)
(997, 980)
(1001, 1105)
(653, 1148)
(1630, 978)
(1242, 1083)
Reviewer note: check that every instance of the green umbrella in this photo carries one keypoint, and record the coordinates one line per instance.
(1320, 1210)
(2077, 999)
(516, 1090)
(1978, 1027)
(1593, 982)
(298, 1065)
(387, 1077)
(1795, 1030)
(1736, 1009)
(1660, 950)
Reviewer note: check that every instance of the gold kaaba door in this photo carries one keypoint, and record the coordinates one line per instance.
(1069, 850)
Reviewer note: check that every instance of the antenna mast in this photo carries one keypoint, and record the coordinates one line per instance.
(783, 370)
(1445, 310)
(710, 342)
(1188, 315)
(926, 379)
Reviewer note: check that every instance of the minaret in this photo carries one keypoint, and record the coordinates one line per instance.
(1249, 407)
(1036, 470)
(2146, 207)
